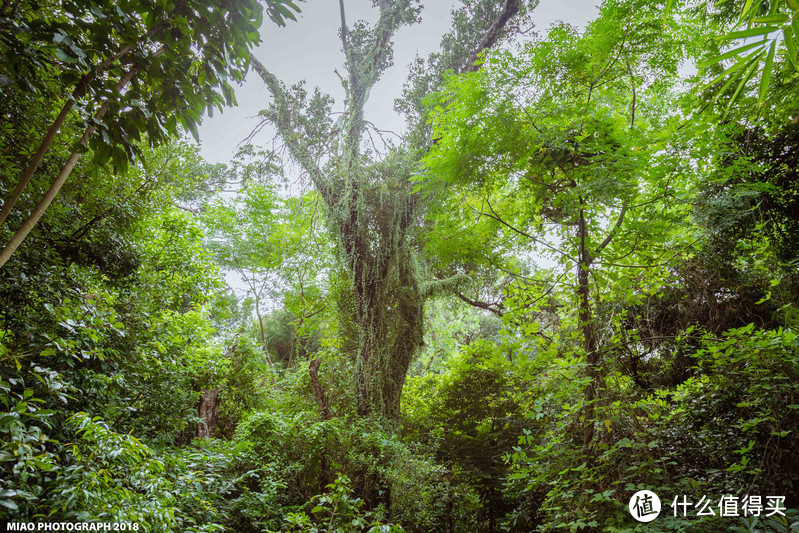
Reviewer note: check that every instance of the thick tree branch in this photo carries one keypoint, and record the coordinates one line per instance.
(492, 34)
(346, 45)
(482, 305)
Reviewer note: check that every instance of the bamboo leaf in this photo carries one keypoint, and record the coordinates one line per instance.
(751, 32)
(741, 63)
(765, 78)
(750, 9)
(791, 46)
(744, 80)
(777, 18)
(727, 55)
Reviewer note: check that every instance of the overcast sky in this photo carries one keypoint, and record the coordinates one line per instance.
(310, 49)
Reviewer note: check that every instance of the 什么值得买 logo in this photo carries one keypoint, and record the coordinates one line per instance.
(644, 505)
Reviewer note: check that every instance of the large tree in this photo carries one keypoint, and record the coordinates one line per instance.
(570, 150)
(372, 209)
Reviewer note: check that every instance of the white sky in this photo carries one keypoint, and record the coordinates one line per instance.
(310, 49)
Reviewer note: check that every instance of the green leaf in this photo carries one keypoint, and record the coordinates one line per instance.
(748, 8)
(102, 154)
(287, 13)
(9, 504)
(192, 127)
(777, 18)
(120, 159)
(63, 56)
(79, 148)
(791, 46)
(6, 420)
(766, 76)
(795, 27)
(751, 32)
(732, 71)
(727, 55)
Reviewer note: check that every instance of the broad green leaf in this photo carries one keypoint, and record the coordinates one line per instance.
(191, 125)
(120, 159)
(102, 154)
(9, 504)
(63, 56)
(287, 13)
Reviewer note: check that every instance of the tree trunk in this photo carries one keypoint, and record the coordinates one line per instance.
(324, 411)
(588, 330)
(208, 410)
(262, 334)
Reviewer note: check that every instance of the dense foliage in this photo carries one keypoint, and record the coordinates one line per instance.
(573, 277)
